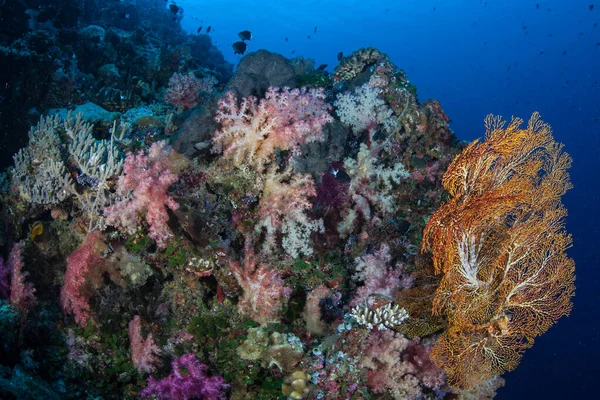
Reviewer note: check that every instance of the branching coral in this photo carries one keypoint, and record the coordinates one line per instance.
(500, 244)
(41, 174)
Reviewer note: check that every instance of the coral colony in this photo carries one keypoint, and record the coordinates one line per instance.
(285, 233)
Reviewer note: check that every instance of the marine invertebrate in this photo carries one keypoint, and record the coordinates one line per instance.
(21, 292)
(365, 110)
(144, 184)
(183, 89)
(283, 120)
(188, 380)
(381, 318)
(353, 64)
(144, 352)
(41, 174)
(283, 207)
(264, 290)
(85, 267)
(499, 243)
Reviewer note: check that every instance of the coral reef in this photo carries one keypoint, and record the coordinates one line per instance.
(194, 237)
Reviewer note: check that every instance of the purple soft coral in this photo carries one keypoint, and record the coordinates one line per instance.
(182, 385)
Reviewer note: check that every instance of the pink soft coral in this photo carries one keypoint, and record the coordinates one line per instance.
(284, 119)
(144, 184)
(264, 290)
(144, 352)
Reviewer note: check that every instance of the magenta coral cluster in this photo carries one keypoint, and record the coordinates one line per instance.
(144, 184)
(188, 380)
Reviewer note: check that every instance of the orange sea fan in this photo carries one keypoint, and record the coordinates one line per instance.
(499, 243)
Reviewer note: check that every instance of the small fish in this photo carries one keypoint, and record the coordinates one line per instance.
(322, 67)
(208, 29)
(239, 47)
(199, 29)
(537, 6)
(36, 229)
(541, 52)
(340, 56)
(286, 39)
(245, 35)
(308, 36)
(564, 52)
(341, 175)
(434, 8)
(591, 7)
(293, 51)
(315, 31)
(595, 25)
(174, 9)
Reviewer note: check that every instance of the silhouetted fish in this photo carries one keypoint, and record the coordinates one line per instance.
(245, 35)
(286, 39)
(239, 47)
(315, 30)
(322, 67)
(208, 29)
(591, 7)
(174, 9)
(340, 56)
(199, 29)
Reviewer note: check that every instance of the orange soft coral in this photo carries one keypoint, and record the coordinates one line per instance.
(500, 244)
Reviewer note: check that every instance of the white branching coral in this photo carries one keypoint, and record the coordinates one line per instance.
(364, 110)
(382, 318)
(283, 206)
(57, 147)
(372, 185)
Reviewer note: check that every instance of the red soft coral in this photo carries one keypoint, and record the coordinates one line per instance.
(144, 184)
(85, 267)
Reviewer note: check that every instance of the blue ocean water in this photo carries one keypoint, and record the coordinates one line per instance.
(509, 57)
